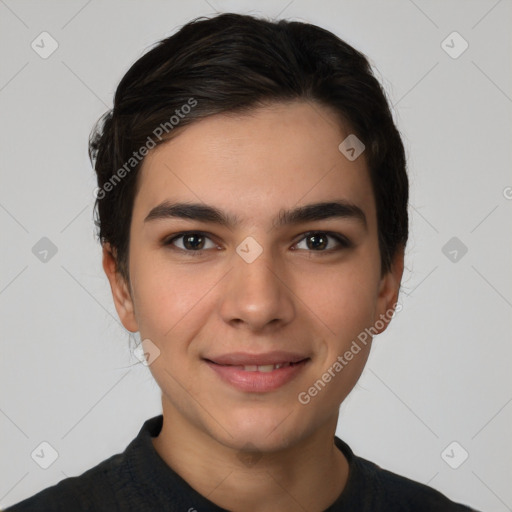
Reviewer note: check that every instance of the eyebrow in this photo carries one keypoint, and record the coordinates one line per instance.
(340, 209)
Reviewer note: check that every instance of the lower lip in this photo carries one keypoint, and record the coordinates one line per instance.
(257, 382)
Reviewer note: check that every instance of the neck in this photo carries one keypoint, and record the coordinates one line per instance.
(309, 475)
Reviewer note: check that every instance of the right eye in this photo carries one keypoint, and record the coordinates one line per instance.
(192, 242)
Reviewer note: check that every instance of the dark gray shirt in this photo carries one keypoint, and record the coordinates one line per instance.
(139, 480)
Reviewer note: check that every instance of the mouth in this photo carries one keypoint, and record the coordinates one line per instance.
(258, 373)
(264, 368)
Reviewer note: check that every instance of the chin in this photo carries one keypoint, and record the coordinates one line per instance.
(265, 430)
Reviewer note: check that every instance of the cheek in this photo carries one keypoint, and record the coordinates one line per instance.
(169, 300)
(344, 299)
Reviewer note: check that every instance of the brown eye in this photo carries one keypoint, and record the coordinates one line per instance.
(317, 241)
(190, 242)
(193, 242)
(320, 241)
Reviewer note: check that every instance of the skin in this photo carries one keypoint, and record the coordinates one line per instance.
(292, 297)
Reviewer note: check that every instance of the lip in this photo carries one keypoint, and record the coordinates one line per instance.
(246, 358)
(256, 381)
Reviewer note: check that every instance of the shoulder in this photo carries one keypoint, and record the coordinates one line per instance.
(402, 493)
(117, 483)
(376, 489)
(95, 489)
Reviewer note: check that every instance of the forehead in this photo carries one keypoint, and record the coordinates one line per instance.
(254, 163)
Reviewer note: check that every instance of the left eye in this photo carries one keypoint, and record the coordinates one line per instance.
(319, 241)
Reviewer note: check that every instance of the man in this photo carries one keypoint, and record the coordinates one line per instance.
(252, 205)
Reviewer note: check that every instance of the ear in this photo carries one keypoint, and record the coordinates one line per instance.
(388, 292)
(120, 290)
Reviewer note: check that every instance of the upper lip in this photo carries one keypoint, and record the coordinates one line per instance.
(246, 359)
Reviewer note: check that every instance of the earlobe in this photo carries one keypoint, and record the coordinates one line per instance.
(388, 291)
(120, 290)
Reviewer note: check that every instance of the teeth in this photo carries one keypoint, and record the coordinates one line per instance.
(265, 368)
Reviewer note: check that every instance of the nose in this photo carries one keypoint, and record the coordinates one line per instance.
(258, 295)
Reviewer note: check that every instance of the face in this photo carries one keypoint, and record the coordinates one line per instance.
(255, 275)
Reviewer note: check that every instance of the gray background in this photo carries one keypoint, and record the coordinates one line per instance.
(441, 373)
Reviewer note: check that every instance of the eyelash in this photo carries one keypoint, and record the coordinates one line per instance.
(344, 243)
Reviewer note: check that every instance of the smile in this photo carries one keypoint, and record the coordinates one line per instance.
(258, 378)
(265, 368)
